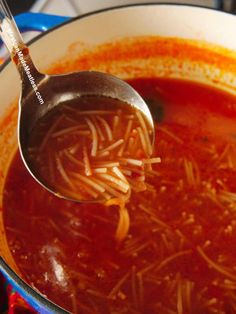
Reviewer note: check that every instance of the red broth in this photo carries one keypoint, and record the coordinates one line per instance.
(179, 255)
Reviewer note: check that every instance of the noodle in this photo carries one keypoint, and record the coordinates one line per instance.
(68, 131)
(126, 136)
(121, 185)
(99, 130)
(134, 162)
(124, 221)
(107, 128)
(49, 133)
(146, 135)
(88, 181)
(87, 166)
(143, 140)
(95, 137)
(63, 173)
(112, 146)
(119, 284)
(179, 300)
(217, 267)
(73, 159)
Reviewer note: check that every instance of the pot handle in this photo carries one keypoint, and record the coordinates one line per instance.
(39, 21)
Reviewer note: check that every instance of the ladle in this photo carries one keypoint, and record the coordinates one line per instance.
(35, 100)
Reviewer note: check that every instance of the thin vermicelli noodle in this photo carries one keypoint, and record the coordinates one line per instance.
(123, 225)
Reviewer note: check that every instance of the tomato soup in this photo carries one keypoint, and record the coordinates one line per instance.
(179, 255)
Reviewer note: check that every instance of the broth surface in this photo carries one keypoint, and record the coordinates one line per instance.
(179, 255)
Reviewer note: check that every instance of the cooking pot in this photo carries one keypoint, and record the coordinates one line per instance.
(201, 27)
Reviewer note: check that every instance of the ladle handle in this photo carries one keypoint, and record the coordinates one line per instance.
(14, 42)
(9, 30)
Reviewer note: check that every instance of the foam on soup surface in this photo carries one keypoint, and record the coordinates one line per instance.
(179, 255)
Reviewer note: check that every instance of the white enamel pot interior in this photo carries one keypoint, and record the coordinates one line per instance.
(88, 31)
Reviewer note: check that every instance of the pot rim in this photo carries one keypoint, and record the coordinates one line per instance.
(114, 8)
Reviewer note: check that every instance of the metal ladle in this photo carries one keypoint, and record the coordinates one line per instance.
(35, 101)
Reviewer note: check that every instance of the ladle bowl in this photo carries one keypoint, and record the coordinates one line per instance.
(41, 93)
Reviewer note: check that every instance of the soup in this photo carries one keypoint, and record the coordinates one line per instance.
(178, 256)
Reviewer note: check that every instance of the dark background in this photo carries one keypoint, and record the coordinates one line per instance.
(18, 6)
